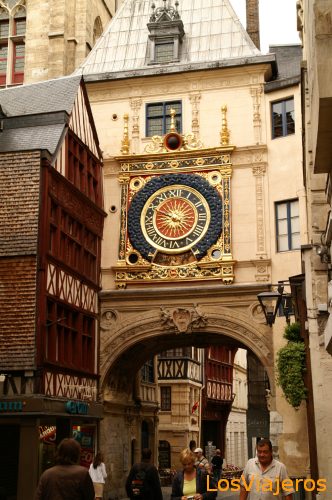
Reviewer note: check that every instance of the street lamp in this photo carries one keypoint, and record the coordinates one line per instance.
(287, 305)
(270, 302)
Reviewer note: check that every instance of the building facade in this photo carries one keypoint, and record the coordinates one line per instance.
(236, 449)
(51, 229)
(315, 30)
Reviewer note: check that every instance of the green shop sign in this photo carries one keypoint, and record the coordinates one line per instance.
(6, 406)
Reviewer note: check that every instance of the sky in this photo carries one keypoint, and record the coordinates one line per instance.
(277, 21)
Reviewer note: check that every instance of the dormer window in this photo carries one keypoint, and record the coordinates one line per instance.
(166, 33)
(164, 52)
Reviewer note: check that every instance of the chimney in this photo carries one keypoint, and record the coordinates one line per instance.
(253, 21)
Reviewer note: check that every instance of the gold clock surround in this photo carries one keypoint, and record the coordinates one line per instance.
(175, 264)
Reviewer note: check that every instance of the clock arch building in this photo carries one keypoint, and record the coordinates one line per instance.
(201, 138)
(201, 135)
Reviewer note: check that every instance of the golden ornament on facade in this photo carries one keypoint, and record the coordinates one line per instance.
(125, 144)
(224, 134)
(136, 183)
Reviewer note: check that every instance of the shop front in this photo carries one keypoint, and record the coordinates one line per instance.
(31, 428)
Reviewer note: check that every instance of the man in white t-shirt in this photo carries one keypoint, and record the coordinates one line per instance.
(264, 478)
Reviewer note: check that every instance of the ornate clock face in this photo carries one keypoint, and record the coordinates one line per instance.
(174, 214)
(175, 218)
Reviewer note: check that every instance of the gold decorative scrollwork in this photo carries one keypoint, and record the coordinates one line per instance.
(156, 145)
(190, 142)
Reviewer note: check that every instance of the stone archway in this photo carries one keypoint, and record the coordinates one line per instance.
(244, 328)
(138, 324)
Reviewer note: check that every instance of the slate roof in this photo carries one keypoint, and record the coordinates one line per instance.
(44, 97)
(18, 313)
(213, 35)
(289, 59)
(19, 203)
(46, 107)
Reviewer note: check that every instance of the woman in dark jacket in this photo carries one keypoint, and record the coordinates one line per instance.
(192, 483)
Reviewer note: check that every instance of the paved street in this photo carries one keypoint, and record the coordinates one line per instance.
(224, 496)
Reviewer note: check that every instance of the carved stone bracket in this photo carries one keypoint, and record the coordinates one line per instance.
(195, 98)
(256, 93)
(183, 320)
(135, 105)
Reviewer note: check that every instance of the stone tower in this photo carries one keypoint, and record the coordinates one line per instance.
(44, 39)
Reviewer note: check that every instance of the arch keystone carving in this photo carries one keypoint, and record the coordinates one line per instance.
(183, 320)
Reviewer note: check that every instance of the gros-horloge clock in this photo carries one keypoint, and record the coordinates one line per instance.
(174, 214)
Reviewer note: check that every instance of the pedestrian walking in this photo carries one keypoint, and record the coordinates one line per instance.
(216, 463)
(201, 461)
(98, 475)
(192, 482)
(265, 478)
(66, 480)
(143, 481)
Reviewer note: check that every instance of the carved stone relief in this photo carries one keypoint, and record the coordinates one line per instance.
(183, 320)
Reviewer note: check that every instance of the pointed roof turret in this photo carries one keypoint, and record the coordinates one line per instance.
(208, 34)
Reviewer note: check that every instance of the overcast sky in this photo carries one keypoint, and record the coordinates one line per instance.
(277, 21)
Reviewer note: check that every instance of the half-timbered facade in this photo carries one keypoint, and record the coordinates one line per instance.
(51, 227)
(180, 380)
(217, 394)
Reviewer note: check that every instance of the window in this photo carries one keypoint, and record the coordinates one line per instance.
(165, 398)
(12, 48)
(147, 371)
(283, 122)
(164, 52)
(18, 62)
(82, 170)
(158, 117)
(288, 225)
(71, 242)
(179, 352)
(70, 337)
(97, 29)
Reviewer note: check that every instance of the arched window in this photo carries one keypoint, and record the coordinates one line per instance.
(97, 29)
(12, 46)
(4, 39)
